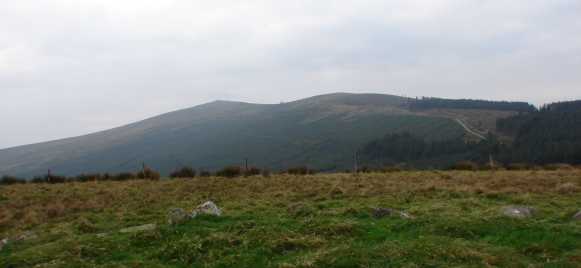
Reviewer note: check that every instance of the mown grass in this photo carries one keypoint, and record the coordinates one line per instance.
(300, 221)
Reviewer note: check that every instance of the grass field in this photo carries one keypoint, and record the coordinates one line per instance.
(288, 221)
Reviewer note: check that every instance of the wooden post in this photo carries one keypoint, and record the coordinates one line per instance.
(355, 163)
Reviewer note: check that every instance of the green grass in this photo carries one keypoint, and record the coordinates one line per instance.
(313, 221)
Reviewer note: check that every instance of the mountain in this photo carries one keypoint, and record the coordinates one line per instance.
(322, 132)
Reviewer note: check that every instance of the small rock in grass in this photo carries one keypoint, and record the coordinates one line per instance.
(177, 216)
(141, 228)
(300, 210)
(26, 236)
(3, 243)
(577, 216)
(405, 215)
(102, 235)
(518, 212)
(379, 213)
(208, 208)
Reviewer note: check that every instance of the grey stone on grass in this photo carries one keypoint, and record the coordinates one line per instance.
(102, 235)
(3, 243)
(379, 213)
(137, 229)
(28, 235)
(577, 216)
(177, 216)
(208, 208)
(518, 212)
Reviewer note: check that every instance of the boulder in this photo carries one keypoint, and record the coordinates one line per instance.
(177, 216)
(518, 212)
(577, 216)
(379, 213)
(137, 229)
(208, 208)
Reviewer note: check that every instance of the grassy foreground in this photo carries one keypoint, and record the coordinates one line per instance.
(289, 221)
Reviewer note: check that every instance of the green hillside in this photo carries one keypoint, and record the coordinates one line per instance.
(322, 132)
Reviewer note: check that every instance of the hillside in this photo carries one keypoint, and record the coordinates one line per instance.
(549, 135)
(454, 219)
(322, 132)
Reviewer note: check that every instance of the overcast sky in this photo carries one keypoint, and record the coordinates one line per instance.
(71, 67)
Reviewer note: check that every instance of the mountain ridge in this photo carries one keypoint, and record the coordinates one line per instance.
(320, 131)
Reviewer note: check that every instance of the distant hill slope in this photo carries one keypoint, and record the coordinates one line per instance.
(322, 132)
(549, 135)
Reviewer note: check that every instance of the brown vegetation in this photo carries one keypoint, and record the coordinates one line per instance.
(23, 205)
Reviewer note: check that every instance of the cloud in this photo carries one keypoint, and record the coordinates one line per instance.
(95, 64)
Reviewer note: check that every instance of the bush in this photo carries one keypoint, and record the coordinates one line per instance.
(7, 180)
(149, 174)
(55, 179)
(266, 173)
(230, 172)
(518, 166)
(389, 169)
(106, 177)
(205, 173)
(465, 165)
(558, 166)
(364, 169)
(302, 170)
(124, 176)
(184, 172)
(87, 177)
(252, 171)
(38, 179)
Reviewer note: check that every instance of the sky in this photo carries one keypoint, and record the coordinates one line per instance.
(72, 67)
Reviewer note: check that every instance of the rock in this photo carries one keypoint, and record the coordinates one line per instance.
(405, 215)
(102, 235)
(26, 236)
(22, 237)
(137, 229)
(208, 208)
(518, 212)
(379, 213)
(177, 216)
(300, 210)
(577, 216)
(3, 243)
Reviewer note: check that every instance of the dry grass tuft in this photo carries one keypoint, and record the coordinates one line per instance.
(31, 204)
(568, 188)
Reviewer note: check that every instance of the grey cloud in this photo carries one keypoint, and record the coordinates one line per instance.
(93, 64)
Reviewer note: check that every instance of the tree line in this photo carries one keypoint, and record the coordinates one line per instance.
(551, 134)
(439, 103)
(150, 174)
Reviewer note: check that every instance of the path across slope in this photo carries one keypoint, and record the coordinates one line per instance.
(470, 130)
